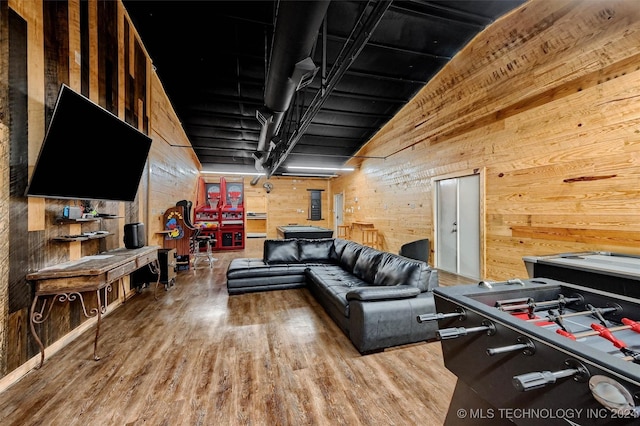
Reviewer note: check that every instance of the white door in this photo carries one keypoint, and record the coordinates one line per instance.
(337, 212)
(458, 225)
(447, 240)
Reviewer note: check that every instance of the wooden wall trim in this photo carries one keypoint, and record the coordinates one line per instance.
(588, 236)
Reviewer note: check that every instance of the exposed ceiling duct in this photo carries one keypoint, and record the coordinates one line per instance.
(290, 66)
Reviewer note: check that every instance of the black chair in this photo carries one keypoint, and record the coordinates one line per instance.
(418, 250)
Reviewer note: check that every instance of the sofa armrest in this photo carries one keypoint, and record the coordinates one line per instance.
(378, 325)
(372, 293)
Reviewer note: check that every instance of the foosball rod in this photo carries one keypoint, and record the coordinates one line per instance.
(532, 304)
(573, 314)
(600, 331)
(607, 333)
(630, 354)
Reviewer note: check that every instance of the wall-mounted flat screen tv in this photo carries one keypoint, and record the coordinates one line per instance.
(88, 153)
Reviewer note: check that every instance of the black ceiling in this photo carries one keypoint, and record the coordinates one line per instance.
(219, 64)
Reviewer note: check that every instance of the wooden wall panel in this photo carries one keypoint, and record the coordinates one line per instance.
(56, 52)
(85, 48)
(172, 174)
(108, 59)
(82, 44)
(5, 329)
(545, 100)
(288, 202)
(17, 150)
(17, 338)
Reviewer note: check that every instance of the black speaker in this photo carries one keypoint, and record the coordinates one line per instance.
(134, 236)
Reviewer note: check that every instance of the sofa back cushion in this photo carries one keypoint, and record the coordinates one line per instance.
(281, 251)
(338, 247)
(367, 264)
(350, 255)
(315, 251)
(397, 270)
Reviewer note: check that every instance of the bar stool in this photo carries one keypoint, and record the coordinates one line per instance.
(202, 250)
(370, 237)
(344, 231)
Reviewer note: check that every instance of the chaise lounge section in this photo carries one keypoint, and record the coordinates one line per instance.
(374, 297)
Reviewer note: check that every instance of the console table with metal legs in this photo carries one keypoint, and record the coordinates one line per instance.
(66, 282)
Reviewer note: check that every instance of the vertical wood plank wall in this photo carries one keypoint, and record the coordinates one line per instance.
(547, 100)
(4, 179)
(172, 175)
(93, 47)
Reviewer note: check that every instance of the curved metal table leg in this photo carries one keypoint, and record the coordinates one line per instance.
(33, 318)
(155, 269)
(99, 313)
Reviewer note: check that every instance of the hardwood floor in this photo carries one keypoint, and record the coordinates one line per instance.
(199, 357)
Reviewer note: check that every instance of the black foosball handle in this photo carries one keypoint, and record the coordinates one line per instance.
(455, 332)
(439, 316)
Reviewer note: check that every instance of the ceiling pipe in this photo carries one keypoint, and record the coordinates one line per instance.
(296, 30)
(362, 31)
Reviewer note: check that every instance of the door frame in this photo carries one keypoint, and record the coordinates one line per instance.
(338, 217)
(481, 171)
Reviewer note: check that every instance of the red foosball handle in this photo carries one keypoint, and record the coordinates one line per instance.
(635, 326)
(566, 334)
(604, 332)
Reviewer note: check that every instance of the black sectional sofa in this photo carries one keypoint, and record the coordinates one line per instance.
(375, 297)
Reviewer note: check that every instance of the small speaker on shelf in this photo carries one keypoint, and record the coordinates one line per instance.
(134, 235)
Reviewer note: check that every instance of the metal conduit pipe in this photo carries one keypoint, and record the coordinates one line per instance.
(296, 29)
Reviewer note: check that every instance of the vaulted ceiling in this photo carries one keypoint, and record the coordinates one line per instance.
(266, 85)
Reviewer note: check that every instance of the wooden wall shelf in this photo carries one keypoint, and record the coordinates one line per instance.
(83, 237)
(63, 220)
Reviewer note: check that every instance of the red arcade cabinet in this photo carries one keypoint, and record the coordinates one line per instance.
(207, 214)
(232, 215)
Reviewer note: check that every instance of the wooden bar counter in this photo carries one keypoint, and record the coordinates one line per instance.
(67, 281)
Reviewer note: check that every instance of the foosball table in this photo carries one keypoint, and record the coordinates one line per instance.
(540, 351)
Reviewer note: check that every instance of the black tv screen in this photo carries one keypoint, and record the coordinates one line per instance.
(88, 153)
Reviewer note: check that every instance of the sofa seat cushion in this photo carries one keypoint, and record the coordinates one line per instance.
(256, 268)
(254, 284)
(331, 283)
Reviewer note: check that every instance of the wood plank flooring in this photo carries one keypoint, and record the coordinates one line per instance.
(199, 357)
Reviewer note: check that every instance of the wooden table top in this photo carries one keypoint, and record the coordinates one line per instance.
(92, 265)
